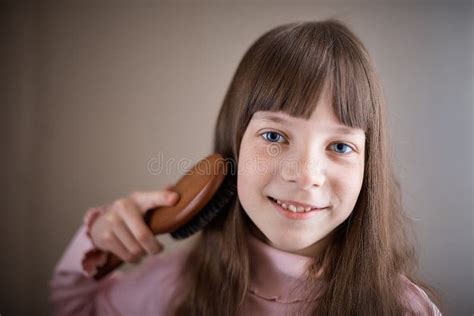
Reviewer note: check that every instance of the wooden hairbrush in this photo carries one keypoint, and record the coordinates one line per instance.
(204, 190)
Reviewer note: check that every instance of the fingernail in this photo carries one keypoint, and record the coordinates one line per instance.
(172, 196)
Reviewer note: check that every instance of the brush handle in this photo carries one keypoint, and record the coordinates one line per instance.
(196, 189)
(112, 263)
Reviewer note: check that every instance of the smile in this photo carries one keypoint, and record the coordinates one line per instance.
(288, 211)
(295, 208)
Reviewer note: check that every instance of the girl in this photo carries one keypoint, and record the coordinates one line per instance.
(318, 226)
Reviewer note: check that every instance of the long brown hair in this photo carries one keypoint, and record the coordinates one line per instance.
(286, 69)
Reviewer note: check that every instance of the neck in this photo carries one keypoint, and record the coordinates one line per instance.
(315, 250)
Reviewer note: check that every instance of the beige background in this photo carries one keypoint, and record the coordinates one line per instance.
(92, 92)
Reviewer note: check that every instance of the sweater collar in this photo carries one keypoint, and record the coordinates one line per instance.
(276, 275)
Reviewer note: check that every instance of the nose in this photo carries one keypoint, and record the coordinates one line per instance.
(305, 172)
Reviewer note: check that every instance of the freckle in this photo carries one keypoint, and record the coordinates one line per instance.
(261, 151)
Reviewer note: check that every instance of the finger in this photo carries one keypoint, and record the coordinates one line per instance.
(146, 200)
(169, 187)
(136, 224)
(123, 233)
(117, 247)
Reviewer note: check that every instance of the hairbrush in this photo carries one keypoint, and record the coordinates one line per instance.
(204, 191)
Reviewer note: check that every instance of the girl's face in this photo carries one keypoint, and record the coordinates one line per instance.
(317, 162)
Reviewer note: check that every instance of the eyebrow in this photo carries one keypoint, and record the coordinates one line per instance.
(283, 121)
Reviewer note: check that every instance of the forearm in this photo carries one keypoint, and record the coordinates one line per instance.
(72, 290)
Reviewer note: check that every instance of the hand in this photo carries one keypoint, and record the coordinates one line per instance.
(122, 229)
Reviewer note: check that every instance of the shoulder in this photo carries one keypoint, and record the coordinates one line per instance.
(149, 286)
(416, 300)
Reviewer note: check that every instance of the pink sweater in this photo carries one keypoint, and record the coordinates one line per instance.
(146, 288)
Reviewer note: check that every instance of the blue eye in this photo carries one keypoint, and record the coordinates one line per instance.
(275, 137)
(338, 146)
(272, 137)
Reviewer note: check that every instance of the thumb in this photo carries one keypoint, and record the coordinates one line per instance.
(146, 200)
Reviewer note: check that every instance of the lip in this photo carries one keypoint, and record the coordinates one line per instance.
(298, 203)
(294, 215)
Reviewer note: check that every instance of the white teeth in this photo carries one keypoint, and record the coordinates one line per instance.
(292, 208)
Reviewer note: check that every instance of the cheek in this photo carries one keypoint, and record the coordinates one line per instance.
(247, 192)
(253, 174)
(344, 185)
(254, 163)
(348, 193)
(245, 176)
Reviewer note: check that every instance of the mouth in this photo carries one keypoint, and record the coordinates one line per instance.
(292, 212)
(295, 207)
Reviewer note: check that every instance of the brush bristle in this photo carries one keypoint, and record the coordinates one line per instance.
(218, 202)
